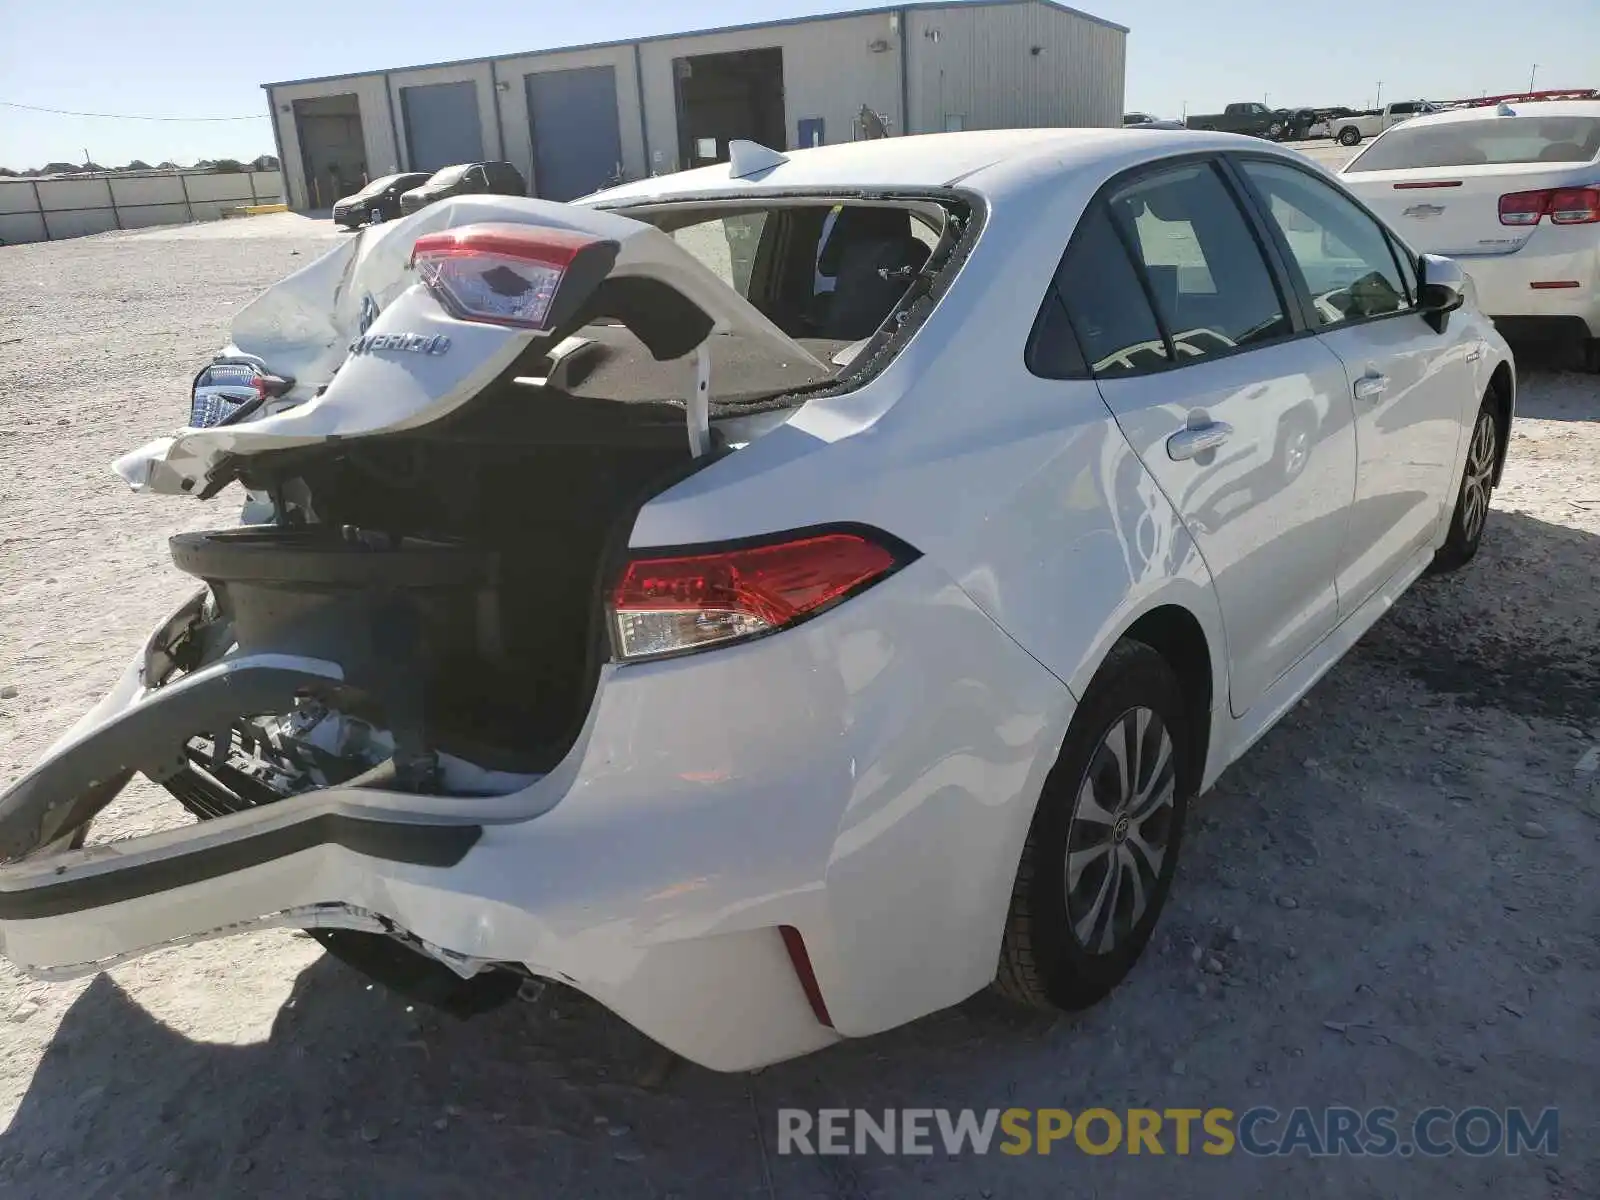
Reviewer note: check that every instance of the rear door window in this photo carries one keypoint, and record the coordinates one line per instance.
(1212, 287)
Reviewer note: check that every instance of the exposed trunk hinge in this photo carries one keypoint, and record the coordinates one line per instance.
(698, 410)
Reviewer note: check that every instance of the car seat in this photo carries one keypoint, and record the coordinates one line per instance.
(872, 256)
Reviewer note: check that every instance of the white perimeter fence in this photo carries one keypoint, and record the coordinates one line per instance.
(39, 210)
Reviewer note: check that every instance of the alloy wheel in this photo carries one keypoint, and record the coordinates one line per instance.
(1478, 482)
(1121, 824)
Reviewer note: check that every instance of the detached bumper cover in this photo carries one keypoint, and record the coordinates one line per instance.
(136, 728)
(866, 778)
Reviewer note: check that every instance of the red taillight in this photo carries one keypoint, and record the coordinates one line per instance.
(1566, 206)
(507, 274)
(1574, 206)
(1522, 208)
(668, 605)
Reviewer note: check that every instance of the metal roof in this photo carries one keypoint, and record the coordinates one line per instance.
(930, 5)
(992, 162)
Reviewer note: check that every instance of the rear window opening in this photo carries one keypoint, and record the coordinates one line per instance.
(1489, 142)
(840, 279)
(829, 273)
(818, 269)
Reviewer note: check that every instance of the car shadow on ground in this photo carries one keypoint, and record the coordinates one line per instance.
(1567, 393)
(1316, 895)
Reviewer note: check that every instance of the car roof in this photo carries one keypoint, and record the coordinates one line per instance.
(1492, 112)
(990, 162)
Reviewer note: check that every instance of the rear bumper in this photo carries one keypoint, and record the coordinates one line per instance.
(1516, 289)
(1570, 328)
(866, 779)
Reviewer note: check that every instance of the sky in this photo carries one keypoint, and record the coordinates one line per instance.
(184, 58)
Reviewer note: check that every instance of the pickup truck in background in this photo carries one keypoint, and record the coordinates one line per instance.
(1256, 119)
(1352, 127)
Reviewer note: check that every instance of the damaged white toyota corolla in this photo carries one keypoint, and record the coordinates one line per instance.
(776, 599)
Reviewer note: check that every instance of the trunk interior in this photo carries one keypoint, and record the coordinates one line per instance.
(457, 574)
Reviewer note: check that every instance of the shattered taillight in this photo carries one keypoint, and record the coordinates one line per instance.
(665, 605)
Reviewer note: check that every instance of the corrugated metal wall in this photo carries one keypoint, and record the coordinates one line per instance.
(1012, 66)
(981, 69)
(830, 69)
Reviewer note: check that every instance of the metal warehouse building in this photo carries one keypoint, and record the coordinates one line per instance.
(572, 118)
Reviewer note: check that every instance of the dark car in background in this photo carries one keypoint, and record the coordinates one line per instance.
(466, 179)
(379, 201)
(1257, 120)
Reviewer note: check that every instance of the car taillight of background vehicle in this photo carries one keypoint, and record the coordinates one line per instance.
(1564, 206)
(672, 604)
(504, 274)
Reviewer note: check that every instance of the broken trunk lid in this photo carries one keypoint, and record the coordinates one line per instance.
(416, 361)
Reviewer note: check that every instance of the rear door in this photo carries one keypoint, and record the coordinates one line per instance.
(1241, 417)
(1411, 386)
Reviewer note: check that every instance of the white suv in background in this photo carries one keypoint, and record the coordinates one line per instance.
(1513, 194)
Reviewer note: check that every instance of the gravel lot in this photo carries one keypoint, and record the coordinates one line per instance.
(1391, 900)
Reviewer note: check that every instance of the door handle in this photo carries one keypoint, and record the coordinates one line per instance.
(1197, 439)
(1370, 387)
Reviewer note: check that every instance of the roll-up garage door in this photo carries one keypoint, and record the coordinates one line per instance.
(577, 143)
(442, 124)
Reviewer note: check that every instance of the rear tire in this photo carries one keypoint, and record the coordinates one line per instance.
(1472, 499)
(1349, 136)
(1118, 793)
(1591, 356)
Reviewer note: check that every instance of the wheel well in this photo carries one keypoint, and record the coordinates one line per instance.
(1500, 386)
(1173, 633)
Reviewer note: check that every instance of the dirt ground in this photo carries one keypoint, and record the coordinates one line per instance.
(1391, 900)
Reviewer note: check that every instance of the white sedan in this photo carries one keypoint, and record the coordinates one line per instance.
(1513, 193)
(778, 599)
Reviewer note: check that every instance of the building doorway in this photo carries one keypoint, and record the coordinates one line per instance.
(333, 150)
(722, 97)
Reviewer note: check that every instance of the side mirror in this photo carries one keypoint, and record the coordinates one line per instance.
(1442, 288)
